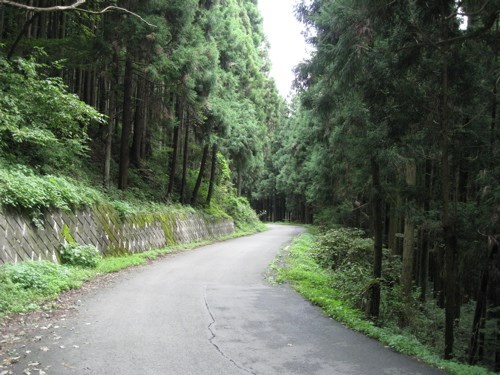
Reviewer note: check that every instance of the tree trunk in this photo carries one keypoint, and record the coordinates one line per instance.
(493, 249)
(24, 31)
(395, 224)
(185, 158)
(2, 22)
(376, 201)
(448, 225)
(109, 136)
(494, 111)
(238, 182)
(213, 171)
(424, 259)
(139, 123)
(201, 172)
(126, 124)
(409, 239)
(175, 149)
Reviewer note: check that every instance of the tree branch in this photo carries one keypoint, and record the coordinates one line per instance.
(56, 8)
(115, 8)
(75, 6)
(468, 14)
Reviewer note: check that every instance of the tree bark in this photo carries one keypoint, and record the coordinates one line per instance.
(185, 158)
(139, 123)
(24, 30)
(493, 249)
(376, 201)
(201, 172)
(126, 124)
(213, 171)
(448, 225)
(109, 136)
(409, 237)
(424, 259)
(175, 149)
(395, 223)
(238, 182)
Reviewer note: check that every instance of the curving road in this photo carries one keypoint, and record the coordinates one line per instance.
(206, 312)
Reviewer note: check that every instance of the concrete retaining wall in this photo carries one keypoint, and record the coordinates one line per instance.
(103, 227)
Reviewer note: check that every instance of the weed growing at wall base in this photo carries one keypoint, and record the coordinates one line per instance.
(27, 286)
(23, 286)
(75, 254)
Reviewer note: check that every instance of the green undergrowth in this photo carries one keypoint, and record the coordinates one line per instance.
(25, 189)
(28, 286)
(299, 267)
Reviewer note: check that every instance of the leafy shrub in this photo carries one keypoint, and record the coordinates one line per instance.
(239, 209)
(21, 187)
(40, 121)
(44, 277)
(75, 254)
(343, 246)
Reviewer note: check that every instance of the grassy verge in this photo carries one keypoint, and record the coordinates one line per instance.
(313, 282)
(27, 286)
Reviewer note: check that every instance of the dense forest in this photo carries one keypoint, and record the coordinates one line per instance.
(393, 130)
(173, 98)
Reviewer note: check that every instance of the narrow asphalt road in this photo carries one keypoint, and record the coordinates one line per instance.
(207, 311)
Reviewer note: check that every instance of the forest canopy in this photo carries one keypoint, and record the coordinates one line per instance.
(393, 132)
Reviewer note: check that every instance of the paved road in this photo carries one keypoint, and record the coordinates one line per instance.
(208, 311)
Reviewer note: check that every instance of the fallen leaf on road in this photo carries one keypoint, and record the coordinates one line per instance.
(11, 360)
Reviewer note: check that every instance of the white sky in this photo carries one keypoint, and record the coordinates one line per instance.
(288, 46)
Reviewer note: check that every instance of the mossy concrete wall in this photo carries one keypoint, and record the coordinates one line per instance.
(103, 227)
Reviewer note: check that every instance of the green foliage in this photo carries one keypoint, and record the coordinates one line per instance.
(314, 282)
(341, 246)
(239, 209)
(24, 285)
(45, 277)
(349, 254)
(74, 254)
(22, 188)
(40, 122)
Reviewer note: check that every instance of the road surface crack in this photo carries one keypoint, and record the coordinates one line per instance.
(211, 339)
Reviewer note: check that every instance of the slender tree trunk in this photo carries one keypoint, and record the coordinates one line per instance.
(175, 149)
(2, 22)
(201, 172)
(409, 239)
(126, 124)
(494, 110)
(213, 171)
(424, 260)
(497, 345)
(42, 30)
(112, 119)
(109, 136)
(238, 182)
(376, 201)
(493, 249)
(450, 240)
(139, 123)
(145, 146)
(185, 158)
(25, 30)
(395, 224)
